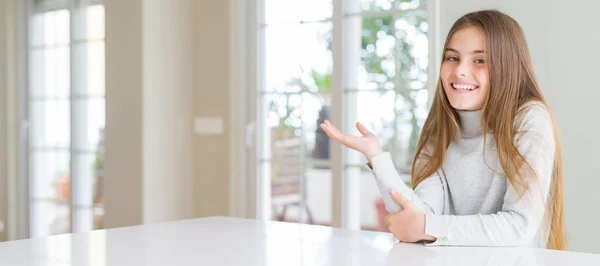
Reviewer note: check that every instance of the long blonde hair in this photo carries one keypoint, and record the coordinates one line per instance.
(512, 84)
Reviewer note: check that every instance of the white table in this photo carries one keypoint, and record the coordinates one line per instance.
(231, 241)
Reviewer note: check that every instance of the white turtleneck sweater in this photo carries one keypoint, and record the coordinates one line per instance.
(468, 204)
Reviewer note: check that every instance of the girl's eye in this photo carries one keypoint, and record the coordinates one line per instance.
(452, 59)
(479, 61)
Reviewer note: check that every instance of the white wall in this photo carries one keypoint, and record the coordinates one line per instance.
(3, 83)
(212, 161)
(167, 117)
(123, 198)
(564, 41)
(575, 93)
(167, 62)
(149, 83)
(10, 184)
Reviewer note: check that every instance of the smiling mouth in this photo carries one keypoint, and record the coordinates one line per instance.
(464, 87)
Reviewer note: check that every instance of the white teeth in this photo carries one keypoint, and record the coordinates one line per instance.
(463, 87)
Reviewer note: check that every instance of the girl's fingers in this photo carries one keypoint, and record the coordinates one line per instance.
(362, 129)
(335, 129)
(347, 140)
(331, 133)
(332, 128)
(334, 133)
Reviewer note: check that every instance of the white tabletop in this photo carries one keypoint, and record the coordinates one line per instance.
(231, 241)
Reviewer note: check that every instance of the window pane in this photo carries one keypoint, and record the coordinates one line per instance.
(90, 80)
(98, 171)
(63, 27)
(87, 196)
(50, 57)
(411, 108)
(83, 219)
(412, 50)
(95, 22)
(37, 36)
(296, 53)
(384, 5)
(50, 29)
(378, 66)
(282, 11)
(54, 28)
(375, 110)
(50, 218)
(384, 66)
(50, 101)
(50, 175)
(376, 5)
(300, 192)
(296, 115)
(90, 56)
(393, 51)
(401, 116)
(50, 86)
(410, 4)
(85, 177)
(37, 72)
(299, 157)
(50, 72)
(90, 121)
(62, 66)
(50, 125)
(393, 57)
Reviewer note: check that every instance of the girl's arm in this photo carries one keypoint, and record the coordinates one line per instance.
(521, 216)
(428, 196)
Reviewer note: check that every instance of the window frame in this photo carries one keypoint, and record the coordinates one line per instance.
(77, 20)
(257, 192)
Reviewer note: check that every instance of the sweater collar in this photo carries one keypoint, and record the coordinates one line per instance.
(470, 124)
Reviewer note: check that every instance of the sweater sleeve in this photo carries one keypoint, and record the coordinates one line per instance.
(428, 196)
(521, 215)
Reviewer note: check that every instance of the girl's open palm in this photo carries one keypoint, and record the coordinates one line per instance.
(366, 144)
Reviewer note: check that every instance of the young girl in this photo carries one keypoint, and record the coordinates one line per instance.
(487, 170)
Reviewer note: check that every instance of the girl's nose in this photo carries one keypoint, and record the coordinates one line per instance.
(462, 70)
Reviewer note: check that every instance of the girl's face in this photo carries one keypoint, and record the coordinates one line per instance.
(465, 72)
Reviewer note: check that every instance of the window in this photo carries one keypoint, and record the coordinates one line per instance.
(383, 68)
(66, 110)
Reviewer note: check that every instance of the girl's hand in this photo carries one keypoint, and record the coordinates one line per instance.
(367, 144)
(408, 225)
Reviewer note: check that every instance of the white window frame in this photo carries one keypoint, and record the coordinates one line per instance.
(247, 200)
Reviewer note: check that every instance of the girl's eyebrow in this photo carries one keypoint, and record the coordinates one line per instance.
(474, 52)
